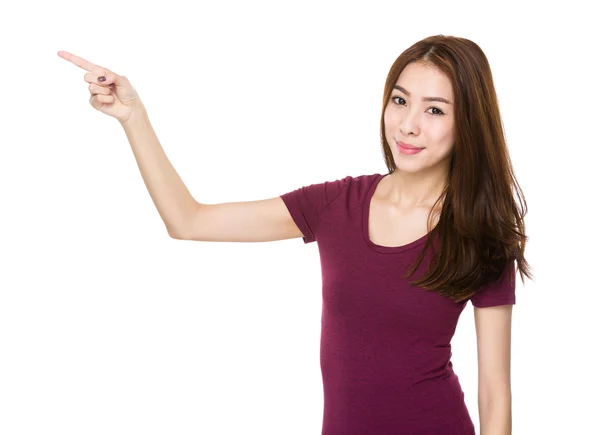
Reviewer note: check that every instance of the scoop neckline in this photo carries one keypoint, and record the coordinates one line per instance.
(365, 225)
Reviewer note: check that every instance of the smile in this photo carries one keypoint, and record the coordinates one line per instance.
(408, 149)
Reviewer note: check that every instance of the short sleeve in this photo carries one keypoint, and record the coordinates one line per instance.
(499, 292)
(307, 203)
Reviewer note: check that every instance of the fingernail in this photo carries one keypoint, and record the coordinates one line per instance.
(101, 79)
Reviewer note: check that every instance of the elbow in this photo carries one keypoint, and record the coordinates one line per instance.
(179, 227)
(495, 406)
(176, 232)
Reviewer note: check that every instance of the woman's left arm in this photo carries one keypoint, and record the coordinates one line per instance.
(493, 326)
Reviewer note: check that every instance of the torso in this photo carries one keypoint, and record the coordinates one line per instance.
(385, 343)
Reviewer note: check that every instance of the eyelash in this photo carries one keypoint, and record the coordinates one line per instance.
(434, 114)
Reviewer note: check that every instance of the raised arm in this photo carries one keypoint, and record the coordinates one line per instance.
(183, 216)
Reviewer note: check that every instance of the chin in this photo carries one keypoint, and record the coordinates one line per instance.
(410, 169)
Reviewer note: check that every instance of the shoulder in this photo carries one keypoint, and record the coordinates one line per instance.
(334, 187)
(350, 186)
(325, 192)
(363, 182)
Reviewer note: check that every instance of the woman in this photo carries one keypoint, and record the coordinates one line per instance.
(401, 253)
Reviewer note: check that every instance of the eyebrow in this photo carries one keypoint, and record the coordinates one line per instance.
(439, 99)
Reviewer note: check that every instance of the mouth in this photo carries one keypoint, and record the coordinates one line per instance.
(408, 146)
(407, 149)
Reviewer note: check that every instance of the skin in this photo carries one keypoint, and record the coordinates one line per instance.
(113, 95)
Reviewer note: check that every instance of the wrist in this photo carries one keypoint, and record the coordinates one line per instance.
(138, 114)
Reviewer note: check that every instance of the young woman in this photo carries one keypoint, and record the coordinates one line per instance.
(401, 253)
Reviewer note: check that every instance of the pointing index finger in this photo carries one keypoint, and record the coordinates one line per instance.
(82, 63)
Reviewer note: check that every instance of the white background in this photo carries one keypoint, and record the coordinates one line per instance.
(108, 326)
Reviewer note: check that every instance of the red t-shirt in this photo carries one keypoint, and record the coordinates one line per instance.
(385, 345)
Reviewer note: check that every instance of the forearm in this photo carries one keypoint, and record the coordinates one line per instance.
(495, 415)
(171, 197)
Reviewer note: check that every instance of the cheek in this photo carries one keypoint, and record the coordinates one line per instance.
(386, 114)
(389, 120)
(442, 133)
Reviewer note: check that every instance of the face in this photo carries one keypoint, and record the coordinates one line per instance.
(428, 125)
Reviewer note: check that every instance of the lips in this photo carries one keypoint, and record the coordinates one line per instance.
(408, 146)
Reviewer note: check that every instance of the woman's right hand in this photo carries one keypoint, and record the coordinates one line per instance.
(114, 95)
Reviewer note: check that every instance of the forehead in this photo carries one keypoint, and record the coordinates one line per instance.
(425, 80)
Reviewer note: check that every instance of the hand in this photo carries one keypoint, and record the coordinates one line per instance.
(114, 96)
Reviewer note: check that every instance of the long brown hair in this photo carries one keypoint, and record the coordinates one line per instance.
(481, 227)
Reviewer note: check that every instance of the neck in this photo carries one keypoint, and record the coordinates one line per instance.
(422, 189)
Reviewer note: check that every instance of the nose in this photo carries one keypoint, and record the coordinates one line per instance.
(409, 123)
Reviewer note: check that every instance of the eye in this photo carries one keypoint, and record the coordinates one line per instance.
(439, 111)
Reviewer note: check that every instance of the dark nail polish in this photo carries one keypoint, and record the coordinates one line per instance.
(101, 79)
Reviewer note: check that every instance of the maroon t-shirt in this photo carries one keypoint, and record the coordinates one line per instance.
(385, 345)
